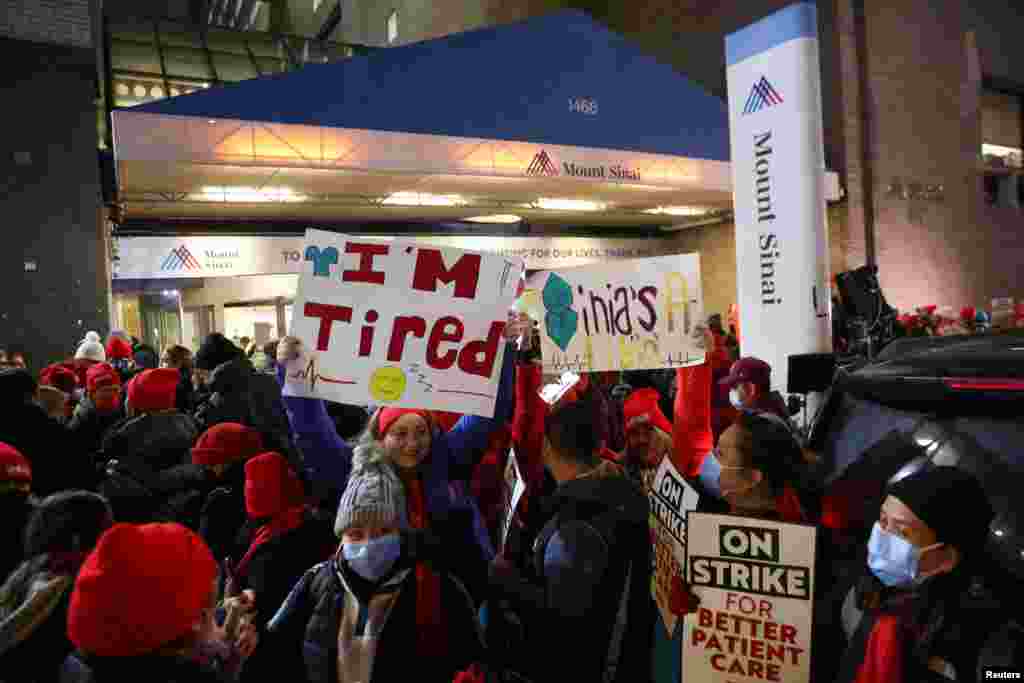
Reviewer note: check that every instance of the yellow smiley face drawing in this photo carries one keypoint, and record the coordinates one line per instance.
(387, 384)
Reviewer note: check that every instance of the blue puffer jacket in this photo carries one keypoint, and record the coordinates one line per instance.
(327, 457)
(461, 448)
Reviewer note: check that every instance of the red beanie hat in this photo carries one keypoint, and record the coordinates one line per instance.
(101, 375)
(142, 587)
(642, 407)
(271, 486)
(60, 377)
(226, 443)
(13, 465)
(388, 417)
(118, 349)
(154, 390)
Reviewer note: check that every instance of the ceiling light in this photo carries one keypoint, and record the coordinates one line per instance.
(140, 91)
(422, 199)
(679, 210)
(495, 218)
(123, 89)
(249, 194)
(175, 92)
(569, 205)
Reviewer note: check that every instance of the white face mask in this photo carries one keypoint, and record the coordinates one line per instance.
(735, 400)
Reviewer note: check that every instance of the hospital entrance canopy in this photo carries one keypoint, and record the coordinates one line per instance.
(555, 119)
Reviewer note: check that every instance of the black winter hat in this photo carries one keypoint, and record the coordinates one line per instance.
(950, 501)
(216, 350)
(16, 386)
(67, 521)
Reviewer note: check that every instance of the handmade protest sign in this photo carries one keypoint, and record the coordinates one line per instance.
(671, 498)
(400, 324)
(755, 580)
(633, 315)
(512, 492)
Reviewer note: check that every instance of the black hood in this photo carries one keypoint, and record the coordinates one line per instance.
(607, 488)
(215, 351)
(160, 440)
(231, 377)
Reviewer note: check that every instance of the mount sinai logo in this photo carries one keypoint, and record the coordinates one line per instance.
(762, 95)
(543, 165)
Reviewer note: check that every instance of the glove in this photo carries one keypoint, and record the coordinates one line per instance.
(682, 600)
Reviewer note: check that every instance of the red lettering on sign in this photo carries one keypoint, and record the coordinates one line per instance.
(430, 269)
(477, 357)
(764, 609)
(440, 335)
(328, 314)
(705, 617)
(774, 673)
(366, 273)
(699, 636)
(717, 662)
(771, 630)
(404, 326)
(788, 634)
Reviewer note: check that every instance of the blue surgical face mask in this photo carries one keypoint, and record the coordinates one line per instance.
(374, 559)
(711, 473)
(894, 560)
(735, 400)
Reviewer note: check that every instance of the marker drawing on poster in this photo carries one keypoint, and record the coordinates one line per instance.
(671, 498)
(755, 580)
(401, 324)
(632, 315)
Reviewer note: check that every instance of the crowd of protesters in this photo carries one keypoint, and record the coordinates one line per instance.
(173, 517)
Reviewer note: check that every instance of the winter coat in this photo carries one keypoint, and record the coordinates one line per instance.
(162, 440)
(151, 669)
(58, 461)
(593, 559)
(222, 516)
(139, 493)
(88, 427)
(15, 511)
(240, 394)
(327, 457)
(277, 565)
(311, 618)
(949, 617)
(33, 623)
(460, 449)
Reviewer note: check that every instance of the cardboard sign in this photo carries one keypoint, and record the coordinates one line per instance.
(755, 579)
(514, 488)
(633, 315)
(671, 499)
(401, 324)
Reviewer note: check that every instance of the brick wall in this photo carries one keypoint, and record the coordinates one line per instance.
(61, 22)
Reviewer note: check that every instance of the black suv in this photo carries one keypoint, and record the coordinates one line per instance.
(927, 402)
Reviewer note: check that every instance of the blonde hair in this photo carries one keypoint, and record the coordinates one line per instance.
(369, 448)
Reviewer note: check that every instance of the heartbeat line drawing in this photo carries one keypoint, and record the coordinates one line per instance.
(421, 378)
(311, 376)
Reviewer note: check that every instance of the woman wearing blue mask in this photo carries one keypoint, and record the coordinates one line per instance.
(909, 619)
(374, 613)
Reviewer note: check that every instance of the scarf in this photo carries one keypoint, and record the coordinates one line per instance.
(282, 523)
(28, 598)
(431, 634)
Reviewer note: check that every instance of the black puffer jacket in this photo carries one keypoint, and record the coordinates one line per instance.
(238, 393)
(161, 440)
(79, 669)
(88, 427)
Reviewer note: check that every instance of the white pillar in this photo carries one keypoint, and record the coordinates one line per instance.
(778, 167)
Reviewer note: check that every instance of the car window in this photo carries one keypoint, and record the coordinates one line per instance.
(857, 427)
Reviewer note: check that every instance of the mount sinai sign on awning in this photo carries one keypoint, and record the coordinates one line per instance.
(543, 165)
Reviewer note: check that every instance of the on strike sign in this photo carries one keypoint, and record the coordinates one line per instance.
(755, 579)
(401, 324)
(670, 498)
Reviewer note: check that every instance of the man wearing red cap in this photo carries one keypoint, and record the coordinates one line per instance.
(142, 609)
(648, 432)
(148, 474)
(101, 408)
(750, 388)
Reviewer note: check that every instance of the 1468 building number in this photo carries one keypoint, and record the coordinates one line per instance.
(583, 105)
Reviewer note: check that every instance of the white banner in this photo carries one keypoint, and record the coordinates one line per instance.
(401, 324)
(632, 315)
(671, 499)
(755, 581)
(223, 256)
(775, 129)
